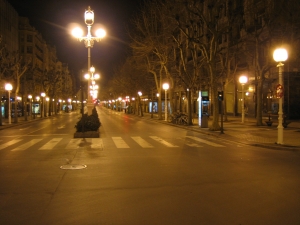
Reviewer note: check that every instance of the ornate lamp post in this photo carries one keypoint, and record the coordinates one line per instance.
(280, 55)
(166, 87)
(89, 43)
(91, 77)
(8, 87)
(243, 80)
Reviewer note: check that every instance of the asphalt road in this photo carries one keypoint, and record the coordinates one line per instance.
(141, 172)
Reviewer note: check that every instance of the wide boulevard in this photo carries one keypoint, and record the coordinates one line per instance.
(141, 171)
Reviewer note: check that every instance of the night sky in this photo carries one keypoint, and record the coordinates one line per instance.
(52, 20)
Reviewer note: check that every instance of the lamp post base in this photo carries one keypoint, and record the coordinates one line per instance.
(90, 107)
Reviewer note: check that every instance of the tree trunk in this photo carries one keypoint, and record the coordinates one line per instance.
(189, 107)
(15, 109)
(214, 96)
(259, 103)
(215, 123)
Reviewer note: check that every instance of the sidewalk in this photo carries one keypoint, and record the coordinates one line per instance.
(248, 132)
(30, 119)
(264, 135)
(21, 121)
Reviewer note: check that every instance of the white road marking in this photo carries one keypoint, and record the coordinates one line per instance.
(193, 145)
(160, 140)
(73, 144)
(205, 141)
(142, 142)
(9, 143)
(119, 142)
(50, 144)
(26, 145)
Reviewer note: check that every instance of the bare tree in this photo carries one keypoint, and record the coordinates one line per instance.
(151, 42)
(55, 86)
(202, 19)
(16, 70)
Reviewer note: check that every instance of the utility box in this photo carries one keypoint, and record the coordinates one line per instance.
(204, 105)
(204, 120)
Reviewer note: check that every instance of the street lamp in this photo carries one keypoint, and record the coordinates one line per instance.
(47, 107)
(166, 87)
(8, 87)
(89, 42)
(30, 105)
(43, 102)
(140, 104)
(280, 55)
(243, 80)
(59, 105)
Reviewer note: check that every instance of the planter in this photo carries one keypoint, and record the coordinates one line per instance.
(87, 134)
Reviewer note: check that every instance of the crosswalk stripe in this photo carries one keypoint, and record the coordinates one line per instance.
(73, 144)
(9, 143)
(163, 142)
(193, 145)
(119, 142)
(98, 143)
(26, 145)
(205, 141)
(50, 144)
(142, 142)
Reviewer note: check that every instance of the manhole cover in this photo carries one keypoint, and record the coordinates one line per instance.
(73, 167)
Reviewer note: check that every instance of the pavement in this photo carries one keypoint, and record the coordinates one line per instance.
(233, 129)
(248, 132)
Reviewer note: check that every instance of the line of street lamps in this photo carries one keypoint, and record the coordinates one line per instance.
(280, 55)
(89, 43)
(44, 103)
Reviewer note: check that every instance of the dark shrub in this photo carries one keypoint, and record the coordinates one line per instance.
(88, 123)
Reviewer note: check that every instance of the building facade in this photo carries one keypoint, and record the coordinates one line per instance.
(31, 51)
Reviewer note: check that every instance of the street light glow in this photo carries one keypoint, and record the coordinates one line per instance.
(165, 86)
(8, 87)
(89, 17)
(243, 79)
(280, 55)
(92, 69)
(101, 33)
(77, 32)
